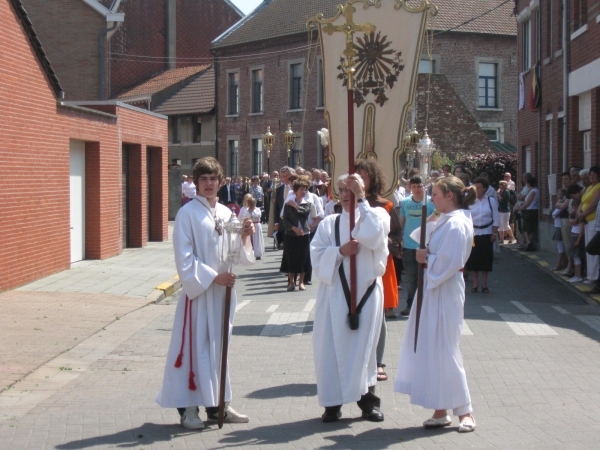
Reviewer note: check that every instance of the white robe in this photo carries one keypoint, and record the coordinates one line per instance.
(434, 376)
(258, 240)
(198, 263)
(345, 360)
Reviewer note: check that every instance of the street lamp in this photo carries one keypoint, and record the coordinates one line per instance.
(288, 140)
(268, 141)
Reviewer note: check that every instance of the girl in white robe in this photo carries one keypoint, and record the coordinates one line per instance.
(254, 214)
(198, 262)
(434, 375)
(345, 359)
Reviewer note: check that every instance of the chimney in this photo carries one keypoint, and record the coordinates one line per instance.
(171, 17)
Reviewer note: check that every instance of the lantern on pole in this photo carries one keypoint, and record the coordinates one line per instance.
(425, 148)
(288, 139)
(231, 246)
(268, 140)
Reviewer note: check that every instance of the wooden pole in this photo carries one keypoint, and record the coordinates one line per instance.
(224, 350)
(421, 268)
(352, 199)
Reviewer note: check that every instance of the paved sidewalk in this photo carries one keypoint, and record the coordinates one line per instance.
(531, 351)
(54, 314)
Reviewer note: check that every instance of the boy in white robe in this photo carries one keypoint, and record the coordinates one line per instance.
(345, 359)
(191, 376)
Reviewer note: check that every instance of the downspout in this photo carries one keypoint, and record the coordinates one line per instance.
(216, 64)
(101, 59)
(539, 64)
(565, 55)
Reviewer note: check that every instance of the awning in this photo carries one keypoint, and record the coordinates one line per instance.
(504, 148)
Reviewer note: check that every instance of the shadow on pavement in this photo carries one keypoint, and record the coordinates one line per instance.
(287, 390)
(256, 330)
(145, 435)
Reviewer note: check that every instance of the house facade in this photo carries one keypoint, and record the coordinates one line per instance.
(559, 51)
(80, 180)
(268, 74)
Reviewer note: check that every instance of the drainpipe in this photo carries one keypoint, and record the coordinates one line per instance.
(565, 55)
(101, 58)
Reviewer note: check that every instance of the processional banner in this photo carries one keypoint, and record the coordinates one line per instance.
(382, 40)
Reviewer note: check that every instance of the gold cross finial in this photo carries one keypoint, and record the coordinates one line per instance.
(349, 28)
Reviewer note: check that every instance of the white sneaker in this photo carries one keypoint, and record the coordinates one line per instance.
(586, 281)
(231, 416)
(576, 280)
(191, 420)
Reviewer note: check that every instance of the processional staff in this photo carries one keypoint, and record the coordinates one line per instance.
(349, 28)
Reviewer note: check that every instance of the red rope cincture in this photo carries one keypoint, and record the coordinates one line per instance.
(187, 315)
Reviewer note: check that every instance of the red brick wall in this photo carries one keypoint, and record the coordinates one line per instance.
(68, 30)
(585, 48)
(34, 151)
(275, 82)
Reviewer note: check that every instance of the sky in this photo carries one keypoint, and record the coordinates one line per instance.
(246, 5)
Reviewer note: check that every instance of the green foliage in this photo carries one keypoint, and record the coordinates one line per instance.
(495, 164)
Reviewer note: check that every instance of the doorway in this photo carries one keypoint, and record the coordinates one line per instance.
(77, 200)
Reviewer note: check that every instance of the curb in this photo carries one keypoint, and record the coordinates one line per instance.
(580, 289)
(164, 290)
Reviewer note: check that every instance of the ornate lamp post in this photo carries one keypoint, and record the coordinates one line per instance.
(288, 139)
(268, 141)
(425, 147)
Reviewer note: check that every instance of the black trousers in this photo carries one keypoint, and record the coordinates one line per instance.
(367, 403)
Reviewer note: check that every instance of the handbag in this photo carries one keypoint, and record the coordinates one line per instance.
(313, 211)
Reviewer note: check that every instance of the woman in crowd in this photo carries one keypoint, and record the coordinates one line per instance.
(434, 375)
(587, 215)
(297, 234)
(504, 212)
(561, 212)
(374, 179)
(484, 214)
(529, 213)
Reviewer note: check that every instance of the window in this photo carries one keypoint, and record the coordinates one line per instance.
(560, 26)
(296, 154)
(320, 83)
(492, 134)
(488, 85)
(427, 66)
(580, 12)
(549, 24)
(538, 35)
(528, 158)
(174, 130)
(526, 45)
(198, 131)
(257, 157)
(233, 93)
(587, 149)
(233, 158)
(549, 146)
(296, 72)
(257, 91)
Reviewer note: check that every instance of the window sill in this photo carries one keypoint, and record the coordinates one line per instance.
(525, 72)
(320, 108)
(232, 115)
(547, 61)
(489, 109)
(295, 110)
(262, 113)
(579, 32)
(558, 53)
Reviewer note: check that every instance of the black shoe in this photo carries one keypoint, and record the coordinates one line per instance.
(308, 282)
(373, 416)
(405, 312)
(331, 415)
(530, 248)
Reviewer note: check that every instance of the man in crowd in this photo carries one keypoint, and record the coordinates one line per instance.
(410, 220)
(227, 193)
(511, 183)
(280, 195)
(345, 359)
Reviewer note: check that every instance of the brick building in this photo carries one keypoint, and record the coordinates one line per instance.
(562, 40)
(101, 48)
(266, 76)
(77, 181)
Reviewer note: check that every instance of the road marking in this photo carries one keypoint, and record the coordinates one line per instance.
(241, 305)
(591, 321)
(528, 325)
(522, 308)
(285, 324)
(272, 308)
(488, 309)
(310, 305)
(561, 310)
(466, 330)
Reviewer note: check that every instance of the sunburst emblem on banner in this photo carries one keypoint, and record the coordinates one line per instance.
(377, 69)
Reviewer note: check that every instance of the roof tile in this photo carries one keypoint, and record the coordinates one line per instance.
(195, 98)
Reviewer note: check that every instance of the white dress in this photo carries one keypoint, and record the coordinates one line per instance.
(345, 360)
(258, 240)
(198, 263)
(434, 376)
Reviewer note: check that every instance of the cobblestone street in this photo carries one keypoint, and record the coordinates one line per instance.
(530, 348)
